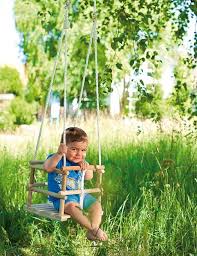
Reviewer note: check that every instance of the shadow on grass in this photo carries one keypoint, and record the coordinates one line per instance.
(24, 234)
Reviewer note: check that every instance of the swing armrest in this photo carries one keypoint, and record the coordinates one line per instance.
(95, 168)
(79, 191)
(63, 194)
(39, 164)
(41, 167)
(46, 192)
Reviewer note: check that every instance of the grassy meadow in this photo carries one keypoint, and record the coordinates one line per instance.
(149, 197)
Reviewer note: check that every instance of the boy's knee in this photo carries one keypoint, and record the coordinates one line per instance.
(70, 208)
(96, 206)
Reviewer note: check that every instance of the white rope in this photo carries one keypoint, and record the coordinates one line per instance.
(93, 36)
(82, 189)
(66, 27)
(85, 70)
(97, 85)
(49, 94)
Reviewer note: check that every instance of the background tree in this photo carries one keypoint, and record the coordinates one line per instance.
(18, 111)
(41, 29)
(127, 33)
(150, 103)
(185, 83)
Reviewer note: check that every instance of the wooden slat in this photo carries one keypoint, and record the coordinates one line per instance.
(46, 210)
(41, 167)
(65, 169)
(77, 192)
(62, 201)
(65, 193)
(36, 162)
(91, 167)
(46, 192)
(39, 184)
(78, 168)
(31, 181)
(37, 166)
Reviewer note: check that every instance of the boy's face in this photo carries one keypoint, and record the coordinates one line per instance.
(76, 151)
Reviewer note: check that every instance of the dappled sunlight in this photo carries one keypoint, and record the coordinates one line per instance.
(112, 131)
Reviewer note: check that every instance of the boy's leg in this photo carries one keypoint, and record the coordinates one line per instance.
(95, 215)
(94, 233)
(73, 209)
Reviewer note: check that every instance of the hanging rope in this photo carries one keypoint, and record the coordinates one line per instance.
(66, 27)
(82, 189)
(93, 37)
(97, 84)
(99, 176)
(85, 70)
(49, 94)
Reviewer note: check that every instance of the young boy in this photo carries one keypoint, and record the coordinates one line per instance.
(75, 152)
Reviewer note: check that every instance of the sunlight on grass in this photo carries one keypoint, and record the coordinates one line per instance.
(149, 194)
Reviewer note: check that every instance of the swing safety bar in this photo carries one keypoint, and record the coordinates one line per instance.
(95, 168)
(38, 164)
(62, 194)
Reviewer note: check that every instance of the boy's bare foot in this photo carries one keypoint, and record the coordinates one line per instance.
(97, 234)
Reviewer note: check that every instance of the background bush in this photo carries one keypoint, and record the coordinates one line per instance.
(10, 81)
(7, 121)
(23, 111)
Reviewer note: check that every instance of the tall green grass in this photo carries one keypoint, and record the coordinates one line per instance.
(149, 201)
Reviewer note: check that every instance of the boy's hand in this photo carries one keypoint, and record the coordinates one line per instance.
(100, 170)
(62, 149)
(83, 165)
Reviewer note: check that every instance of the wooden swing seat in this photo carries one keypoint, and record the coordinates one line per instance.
(46, 210)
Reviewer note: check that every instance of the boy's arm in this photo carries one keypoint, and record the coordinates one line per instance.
(51, 163)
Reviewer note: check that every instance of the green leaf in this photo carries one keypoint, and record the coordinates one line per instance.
(119, 65)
